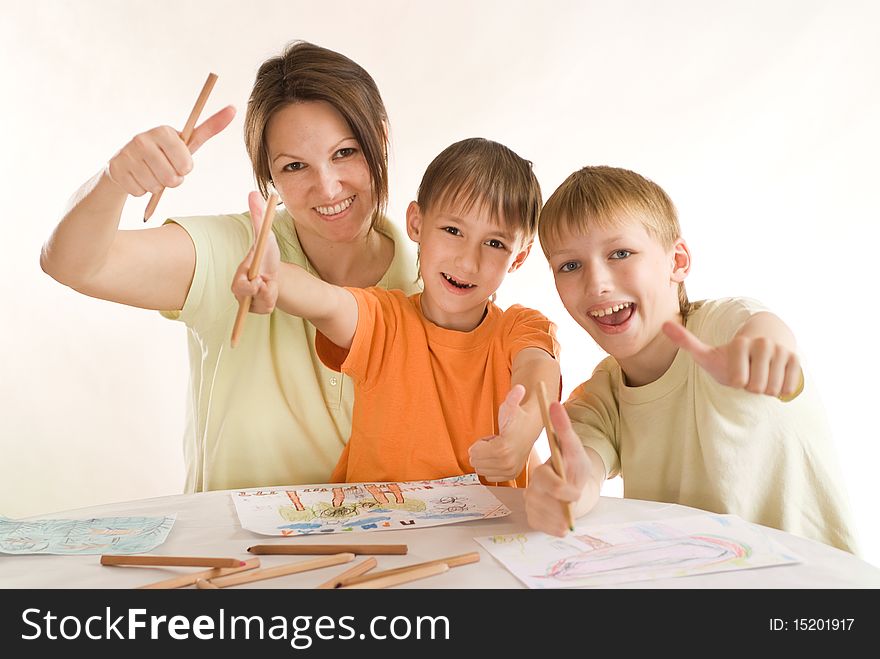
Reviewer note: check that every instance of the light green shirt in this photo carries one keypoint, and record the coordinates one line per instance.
(268, 412)
(687, 439)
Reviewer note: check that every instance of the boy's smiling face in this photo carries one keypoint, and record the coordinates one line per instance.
(620, 284)
(463, 258)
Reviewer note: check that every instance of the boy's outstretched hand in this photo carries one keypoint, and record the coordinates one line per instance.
(503, 456)
(547, 496)
(264, 288)
(756, 364)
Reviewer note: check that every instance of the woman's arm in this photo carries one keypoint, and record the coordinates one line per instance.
(152, 268)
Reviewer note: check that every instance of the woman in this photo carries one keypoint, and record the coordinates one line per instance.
(268, 412)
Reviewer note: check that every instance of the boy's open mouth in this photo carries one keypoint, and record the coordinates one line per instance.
(455, 282)
(614, 315)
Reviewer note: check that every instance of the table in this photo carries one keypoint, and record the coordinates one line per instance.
(208, 526)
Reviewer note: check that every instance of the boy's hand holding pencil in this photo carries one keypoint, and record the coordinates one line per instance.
(550, 497)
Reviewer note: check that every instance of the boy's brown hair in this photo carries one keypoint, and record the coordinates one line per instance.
(303, 73)
(606, 196)
(481, 172)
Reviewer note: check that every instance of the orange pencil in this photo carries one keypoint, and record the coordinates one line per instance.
(178, 561)
(555, 452)
(245, 304)
(185, 135)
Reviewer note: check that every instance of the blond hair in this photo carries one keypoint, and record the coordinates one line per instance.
(481, 172)
(304, 73)
(604, 197)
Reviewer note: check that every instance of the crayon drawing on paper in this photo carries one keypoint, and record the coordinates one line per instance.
(350, 507)
(636, 551)
(99, 535)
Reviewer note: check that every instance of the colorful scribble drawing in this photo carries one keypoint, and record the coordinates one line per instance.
(119, 535)
(365, 506)
(620, 553)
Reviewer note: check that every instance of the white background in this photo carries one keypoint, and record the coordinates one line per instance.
(758, 118)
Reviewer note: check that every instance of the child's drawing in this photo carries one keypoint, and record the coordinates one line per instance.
(365, 506)
(636, 551)
(119, 535)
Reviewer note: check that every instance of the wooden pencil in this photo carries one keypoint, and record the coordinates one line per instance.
(405, 576)
(555, 452)
(185, 135)
(304, 549)
(174, 561)
(449, 561)
(361, 568)
(282, 570)
(204, 584)
(185, 580)
(245, 304)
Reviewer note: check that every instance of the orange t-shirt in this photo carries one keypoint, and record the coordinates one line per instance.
(422, 393)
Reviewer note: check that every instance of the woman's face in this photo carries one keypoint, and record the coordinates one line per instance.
(320, 171)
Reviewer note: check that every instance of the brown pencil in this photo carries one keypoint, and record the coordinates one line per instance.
(404, 576)
(361, 568)
(304, 549)
(245, 304)
(282, 570)
(185, 135)
(177, 561)
(185, 580)
(450, 561)
(555, 452)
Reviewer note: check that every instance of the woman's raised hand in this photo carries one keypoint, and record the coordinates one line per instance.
(263, 289)
(159, 158)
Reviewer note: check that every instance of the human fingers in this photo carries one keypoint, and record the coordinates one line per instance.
(267, 295)
(542, 501)
(760, 356)
(685, 339)
(794, 379)
(776, 372)
(507, 410)
(737, 363)
(155, 159)
(573, 456)
(210, 127)
(494, 459)
(242, 285)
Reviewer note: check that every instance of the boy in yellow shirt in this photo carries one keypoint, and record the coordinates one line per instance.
(701, 404)
(435, 373)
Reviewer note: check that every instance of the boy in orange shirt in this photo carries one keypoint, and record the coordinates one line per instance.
(436, 371)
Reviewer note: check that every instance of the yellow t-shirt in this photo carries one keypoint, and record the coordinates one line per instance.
(687, 439)
(268, 412)
(424, 393)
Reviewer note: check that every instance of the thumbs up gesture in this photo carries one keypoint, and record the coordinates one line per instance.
(757, 364)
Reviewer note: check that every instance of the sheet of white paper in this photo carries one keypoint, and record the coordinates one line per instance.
(347, 507)
(99, 535)
(636, 551)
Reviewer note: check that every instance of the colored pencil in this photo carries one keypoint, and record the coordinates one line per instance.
(185, 580)
(185, 135)
(304, 549)
(404, 576)
(555, 452)
(245, 304)
(204, 584)
(282, 570)
(356, 571)
(176, 561)
(450, 561)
